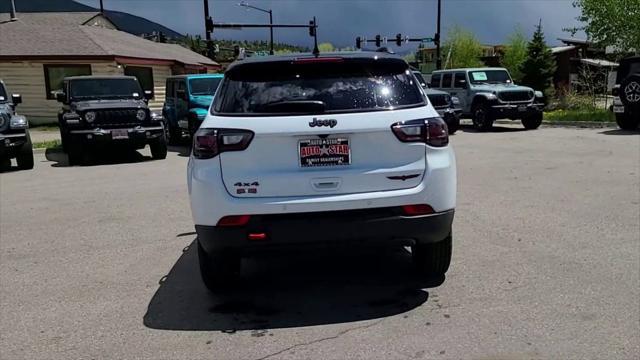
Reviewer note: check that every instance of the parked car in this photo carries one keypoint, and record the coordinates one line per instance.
(626, 92)
(187, 101)
(299, 151)
(487, 94)
(102, 111)
(15, 141)
(446, 105)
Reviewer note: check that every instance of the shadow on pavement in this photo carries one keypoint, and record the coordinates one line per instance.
(110, 157)
(621, 132)
(290, 290)
(182, 150)
(496, 129)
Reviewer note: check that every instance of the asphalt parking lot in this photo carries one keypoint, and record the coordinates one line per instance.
(99, 262)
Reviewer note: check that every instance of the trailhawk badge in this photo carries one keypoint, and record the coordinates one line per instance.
(318, 122)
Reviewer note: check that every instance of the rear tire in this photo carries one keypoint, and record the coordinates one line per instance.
(432, 260)
(219, 270)
(454, 126)
(482, 119)
(174, 134)
(159, 148)
(25, 156)
(627, 122)
(532, 122)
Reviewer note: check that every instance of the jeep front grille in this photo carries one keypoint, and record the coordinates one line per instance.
(515, 95)
(438, 100)
(126, 116)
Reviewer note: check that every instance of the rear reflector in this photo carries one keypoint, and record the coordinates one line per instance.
(419, 209)
(257, 236)
(234, 220)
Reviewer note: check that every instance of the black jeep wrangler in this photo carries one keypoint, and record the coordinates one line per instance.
(15, 141)
(102, 111)
(626, 92)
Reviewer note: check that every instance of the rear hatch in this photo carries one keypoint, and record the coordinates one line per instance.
(320, 127)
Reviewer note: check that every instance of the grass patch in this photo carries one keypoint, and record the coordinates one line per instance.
(47, 144)
(46, 127)
(587, 115)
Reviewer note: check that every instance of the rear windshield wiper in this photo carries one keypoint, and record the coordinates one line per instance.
(294, 106)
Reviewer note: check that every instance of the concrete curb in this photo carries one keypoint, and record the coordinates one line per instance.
(578, 124)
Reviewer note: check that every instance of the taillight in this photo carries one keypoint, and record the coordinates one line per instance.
(433, 131)
(234, 220)
(418, 209)
(208, 143)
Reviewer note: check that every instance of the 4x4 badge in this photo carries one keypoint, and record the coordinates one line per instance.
(318, 122)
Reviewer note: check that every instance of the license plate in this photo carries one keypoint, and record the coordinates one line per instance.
(618, 109)
(324, 152)
(522, 108)
(119, 134)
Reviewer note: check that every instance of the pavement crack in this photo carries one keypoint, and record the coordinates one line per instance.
(341, 333)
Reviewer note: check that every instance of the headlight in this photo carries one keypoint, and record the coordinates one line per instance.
(455, 100)
(90, 116)
(539, 94)
(141, 115)
(155, 116)
(19, 122)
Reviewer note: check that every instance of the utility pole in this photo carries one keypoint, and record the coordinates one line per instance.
(13, 11)
(206, 19)
(101, 7)
(438, 58)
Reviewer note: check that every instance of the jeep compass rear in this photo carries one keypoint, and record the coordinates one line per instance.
(300, 151)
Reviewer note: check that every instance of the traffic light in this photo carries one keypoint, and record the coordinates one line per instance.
(436, 39)
(211, 53)
(378, 40)
(312, 28)
(358, 43)
(399, 39)
(236, 51)
(208, 24)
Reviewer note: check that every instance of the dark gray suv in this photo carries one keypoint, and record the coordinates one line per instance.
(15, 141)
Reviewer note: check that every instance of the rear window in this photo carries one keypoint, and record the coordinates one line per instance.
(627, 68)
(331, 87)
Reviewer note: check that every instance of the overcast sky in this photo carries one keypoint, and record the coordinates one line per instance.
(340, 21)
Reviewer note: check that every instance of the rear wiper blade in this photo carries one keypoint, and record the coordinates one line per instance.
(295, 106)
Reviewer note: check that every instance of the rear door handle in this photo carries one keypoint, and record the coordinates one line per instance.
(326, 184)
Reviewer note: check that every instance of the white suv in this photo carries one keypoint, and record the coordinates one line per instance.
(302, 150)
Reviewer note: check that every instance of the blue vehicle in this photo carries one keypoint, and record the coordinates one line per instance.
(187, 101)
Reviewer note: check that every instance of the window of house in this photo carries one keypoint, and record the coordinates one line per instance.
(435, 80)
(446, 80)
(55, 73)
(143, 74)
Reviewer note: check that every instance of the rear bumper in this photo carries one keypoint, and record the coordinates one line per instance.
(11, 144)
(308, 230)
(139, 135)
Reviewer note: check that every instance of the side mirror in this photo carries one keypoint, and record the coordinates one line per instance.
(61, 97)
(182, 95)
(463, 84)
(148, 94)
(16, 99)
(424, 86)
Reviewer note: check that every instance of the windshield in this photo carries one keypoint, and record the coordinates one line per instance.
(490, 77)
(105, 88)
(3, 94)
(329, 87)
(204, 86)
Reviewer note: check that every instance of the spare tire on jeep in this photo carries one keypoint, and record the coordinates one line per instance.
(630, 91)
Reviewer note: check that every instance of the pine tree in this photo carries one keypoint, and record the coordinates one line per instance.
(540, 65)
